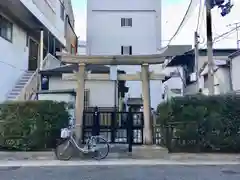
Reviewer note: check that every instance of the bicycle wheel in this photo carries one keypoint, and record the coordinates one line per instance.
(100, 147)
(64, 150)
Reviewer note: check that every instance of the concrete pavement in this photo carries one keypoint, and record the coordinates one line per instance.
(120, 152)
(124, 172)
(117, 151)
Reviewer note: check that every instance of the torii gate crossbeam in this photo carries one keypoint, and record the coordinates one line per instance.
(143, 60)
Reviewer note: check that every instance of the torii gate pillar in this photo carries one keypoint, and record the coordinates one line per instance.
(147, 134)
(80, 102)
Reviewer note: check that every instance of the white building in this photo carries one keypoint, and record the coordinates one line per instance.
(126, 27)
(222, 78)
(101, 93)
(174, 84)
(187, 81)
(82, 47)
(235, 71)
(22, 22)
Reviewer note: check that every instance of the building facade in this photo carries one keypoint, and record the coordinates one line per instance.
(99, 93)
(188, 85)
(82, 48)
(24, 25)
(234, 70)
(123, 27)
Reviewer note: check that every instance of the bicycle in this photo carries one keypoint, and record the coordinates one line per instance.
(69, 143)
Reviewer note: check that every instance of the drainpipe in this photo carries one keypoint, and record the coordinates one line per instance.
(40, 59)
(41, 50)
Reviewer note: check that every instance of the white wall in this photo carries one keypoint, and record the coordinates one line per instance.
(174, 82)
(222, 80)
(14, 60)
(82, 50)
(82, 47)
(101, 92)
(106, 36)
(222, 76)
(49, 15)
(63, 97)
(235, 73)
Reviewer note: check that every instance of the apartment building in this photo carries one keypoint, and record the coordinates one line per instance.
(123, 27)
(31, 30)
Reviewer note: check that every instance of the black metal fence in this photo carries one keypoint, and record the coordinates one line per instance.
(115, 126)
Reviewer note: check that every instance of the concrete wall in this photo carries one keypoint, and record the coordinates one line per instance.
(176, 82)
(221, 81)
(106, 36)
(82, 47)
(235, 73)
(82, 50)
(14, 59)
(65, 97)
(101, 92)
(222, 75)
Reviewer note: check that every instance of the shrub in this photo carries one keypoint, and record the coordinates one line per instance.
(202, 123)
(31, 125)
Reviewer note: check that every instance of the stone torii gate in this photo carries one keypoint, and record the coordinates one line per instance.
(143, 60)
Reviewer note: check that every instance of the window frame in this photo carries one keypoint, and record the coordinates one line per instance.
(62, 11)
(10, 26)
(129, 50)
(126, 22)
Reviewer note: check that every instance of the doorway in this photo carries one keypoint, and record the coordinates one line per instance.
(33, 55)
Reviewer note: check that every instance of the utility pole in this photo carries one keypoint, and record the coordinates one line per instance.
(196, 52)
(237, 28)
(209, 48)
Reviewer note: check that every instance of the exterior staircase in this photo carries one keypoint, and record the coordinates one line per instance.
(25, 88)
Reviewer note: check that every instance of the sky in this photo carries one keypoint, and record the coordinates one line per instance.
(170, 22)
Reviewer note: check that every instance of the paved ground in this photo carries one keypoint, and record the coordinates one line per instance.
(123, 172)
(116, 151)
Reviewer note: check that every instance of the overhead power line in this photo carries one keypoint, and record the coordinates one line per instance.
(216, 39)
(185, 18)
(224, 35)
(199, 15)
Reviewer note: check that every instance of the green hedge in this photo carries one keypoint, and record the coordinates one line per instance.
(201, 123)
(31, 125)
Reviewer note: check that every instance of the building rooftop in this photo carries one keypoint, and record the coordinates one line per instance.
(189, 56)
(95, 69)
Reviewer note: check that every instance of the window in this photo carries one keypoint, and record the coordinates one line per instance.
(126, 22)
(62, 11)
(126, 50)
(6, 28)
